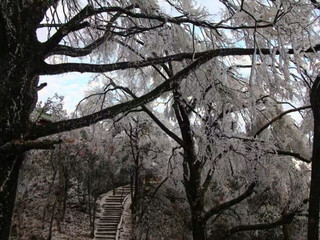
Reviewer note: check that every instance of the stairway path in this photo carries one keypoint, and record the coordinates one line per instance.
(109, 219)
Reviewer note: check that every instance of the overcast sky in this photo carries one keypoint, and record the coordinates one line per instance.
(73, 85)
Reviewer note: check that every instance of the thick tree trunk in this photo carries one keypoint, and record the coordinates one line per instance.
(313, 219)
(198, 227)
(192, 170)
(196, 199)
(20, 53)
(9, 172)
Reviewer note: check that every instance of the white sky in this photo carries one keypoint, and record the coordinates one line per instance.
(73, 85)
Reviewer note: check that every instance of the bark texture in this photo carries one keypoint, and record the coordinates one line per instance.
(314, 197)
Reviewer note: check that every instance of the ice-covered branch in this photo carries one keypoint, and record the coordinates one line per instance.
(51, 69)
(22, 145)
(285, 219)
(110, 112)
(215, 210)
(279, 117)
(292, 154)
(79, 52)
(152, 116)
(74, 24)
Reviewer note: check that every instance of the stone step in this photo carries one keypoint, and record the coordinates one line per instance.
(107, 219)
(112, 228)
(112, 209)
(110, 213)
(116, 222)
(106, 232)
(107, 224)
(106, 214)
(106, 237)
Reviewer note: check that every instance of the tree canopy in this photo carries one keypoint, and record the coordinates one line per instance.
(226, 86)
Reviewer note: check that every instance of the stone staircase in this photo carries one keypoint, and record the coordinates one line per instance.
(110, 218)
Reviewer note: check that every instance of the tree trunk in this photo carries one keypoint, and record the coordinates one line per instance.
(198, 227)
(9, 172)
(313, 219)
(192, 170)
(51, 220)
(20, 55)
(94, 216)
(195, 198)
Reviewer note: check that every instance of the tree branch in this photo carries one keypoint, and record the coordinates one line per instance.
(110, 112)
(80, 52)
(279, 117)
(71, 25)
(50, 69)
(152, 116)
(292, 154)
(226, 205)
(285, 219)
(22, 145)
